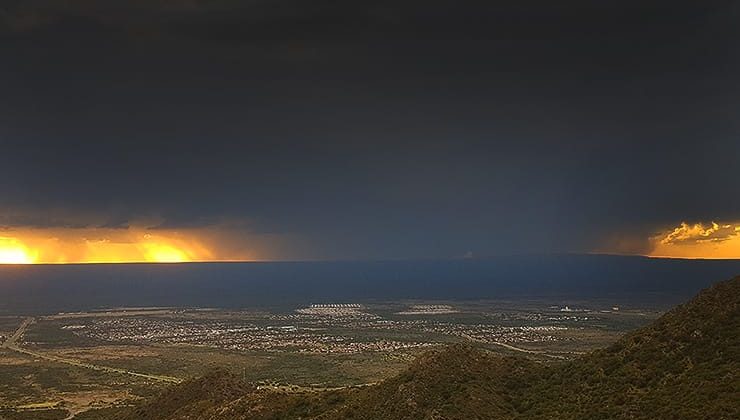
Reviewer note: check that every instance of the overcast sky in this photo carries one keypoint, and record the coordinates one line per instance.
(399, 129)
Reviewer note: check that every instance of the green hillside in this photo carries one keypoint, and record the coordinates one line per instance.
(684, 366)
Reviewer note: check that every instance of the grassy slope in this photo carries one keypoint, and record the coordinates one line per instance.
(459, 382)
(192, 398)
(685, 365)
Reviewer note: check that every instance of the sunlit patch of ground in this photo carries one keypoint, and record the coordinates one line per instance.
(76, 402)
(99, 353)
(10, 359)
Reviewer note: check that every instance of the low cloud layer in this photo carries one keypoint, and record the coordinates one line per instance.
(699, 233)
(698, 240)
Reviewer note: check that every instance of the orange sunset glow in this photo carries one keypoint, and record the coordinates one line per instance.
(713, 240)
(12, 251)
(100, 246)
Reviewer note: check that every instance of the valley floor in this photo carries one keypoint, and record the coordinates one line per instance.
(60, 365)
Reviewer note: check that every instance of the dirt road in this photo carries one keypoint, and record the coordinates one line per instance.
(12, 344)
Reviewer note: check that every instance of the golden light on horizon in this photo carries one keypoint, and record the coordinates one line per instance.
(165, 253)
(72, 246)
(12, 251)
(698, 240)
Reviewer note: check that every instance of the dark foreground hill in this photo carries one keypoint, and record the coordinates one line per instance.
(684, 366)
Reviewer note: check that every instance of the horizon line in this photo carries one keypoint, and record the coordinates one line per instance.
(287, 261)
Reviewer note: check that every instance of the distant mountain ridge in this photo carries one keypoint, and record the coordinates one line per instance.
(686, 365)
(623, 280)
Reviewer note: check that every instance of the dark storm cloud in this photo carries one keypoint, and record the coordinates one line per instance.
(385, 129)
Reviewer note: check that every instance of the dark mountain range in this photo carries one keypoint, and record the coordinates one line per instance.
(686, 365)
